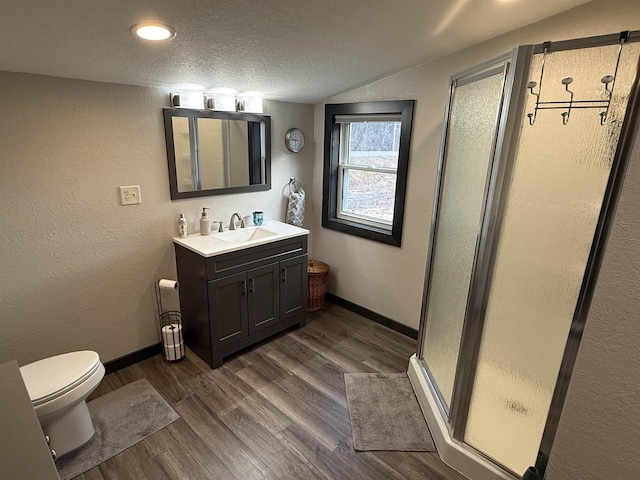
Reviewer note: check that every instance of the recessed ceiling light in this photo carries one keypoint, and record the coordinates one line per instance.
(155, 32)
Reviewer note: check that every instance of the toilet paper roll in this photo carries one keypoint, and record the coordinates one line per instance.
(175, 352)
(172, 334)
(168, 284)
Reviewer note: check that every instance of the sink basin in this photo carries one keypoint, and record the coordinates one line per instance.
(236, 240)
(245, 235)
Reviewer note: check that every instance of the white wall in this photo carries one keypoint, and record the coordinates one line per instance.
(76, 268)
(599, 429)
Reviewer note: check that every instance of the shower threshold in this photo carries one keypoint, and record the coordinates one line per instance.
(458, 456)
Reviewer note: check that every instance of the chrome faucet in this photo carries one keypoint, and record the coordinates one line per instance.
(232, 224)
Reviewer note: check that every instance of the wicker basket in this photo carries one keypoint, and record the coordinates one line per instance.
(317, 272)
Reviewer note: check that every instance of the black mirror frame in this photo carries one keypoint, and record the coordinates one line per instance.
(331, 160)
(169, 113)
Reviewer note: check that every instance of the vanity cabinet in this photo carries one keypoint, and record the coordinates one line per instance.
(247, 301)
(233, 300)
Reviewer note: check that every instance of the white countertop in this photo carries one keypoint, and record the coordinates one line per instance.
(215, 244)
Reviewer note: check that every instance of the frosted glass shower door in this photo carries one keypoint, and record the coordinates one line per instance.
(555, 195)
(474, 114)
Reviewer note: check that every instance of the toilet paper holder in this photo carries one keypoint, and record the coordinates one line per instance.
(170, 323)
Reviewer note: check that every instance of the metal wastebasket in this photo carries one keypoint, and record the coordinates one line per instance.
(317, 274)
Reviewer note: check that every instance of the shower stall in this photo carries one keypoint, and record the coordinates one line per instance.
(534, 150)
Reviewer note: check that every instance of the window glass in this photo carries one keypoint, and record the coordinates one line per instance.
(374, 143)
(368, 170)
(358, 199)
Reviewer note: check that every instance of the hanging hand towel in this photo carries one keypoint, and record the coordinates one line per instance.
(295, 209)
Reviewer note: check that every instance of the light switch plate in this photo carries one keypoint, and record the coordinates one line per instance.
(130, 195)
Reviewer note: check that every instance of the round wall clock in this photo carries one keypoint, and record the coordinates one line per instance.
(294, 140)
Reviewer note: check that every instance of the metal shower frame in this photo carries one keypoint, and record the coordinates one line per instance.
(516, 65)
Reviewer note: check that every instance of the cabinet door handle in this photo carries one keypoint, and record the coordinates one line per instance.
(251, 285)
(244, 287)
(284, 274)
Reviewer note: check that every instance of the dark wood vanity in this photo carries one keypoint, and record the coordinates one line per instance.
(233, 300)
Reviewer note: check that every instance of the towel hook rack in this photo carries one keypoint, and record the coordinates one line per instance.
(604, 105)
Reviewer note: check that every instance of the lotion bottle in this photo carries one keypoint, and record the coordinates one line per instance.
(182, 226)
(205, 224)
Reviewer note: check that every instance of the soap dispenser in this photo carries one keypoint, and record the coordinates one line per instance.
(182, 226)
(205, 224)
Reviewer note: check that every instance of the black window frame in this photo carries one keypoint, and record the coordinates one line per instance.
(332, 158)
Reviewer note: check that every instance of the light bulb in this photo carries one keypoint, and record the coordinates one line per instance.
(156, 32)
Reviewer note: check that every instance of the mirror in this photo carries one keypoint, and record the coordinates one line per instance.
(211, 152)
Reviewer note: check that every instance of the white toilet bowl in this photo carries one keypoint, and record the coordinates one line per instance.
(58, 387)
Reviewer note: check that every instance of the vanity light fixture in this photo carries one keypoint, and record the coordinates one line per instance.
(221, 98)
(155, 32)
(250, 102)
(187, 95)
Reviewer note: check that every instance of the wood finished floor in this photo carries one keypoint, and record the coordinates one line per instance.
(274, 411)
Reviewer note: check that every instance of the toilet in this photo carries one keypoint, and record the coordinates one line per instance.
(58, 387)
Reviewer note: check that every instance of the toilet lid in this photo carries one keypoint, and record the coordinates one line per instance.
(51, 377)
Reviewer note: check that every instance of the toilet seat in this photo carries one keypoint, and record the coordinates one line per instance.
(50, 378)
(58, 388)
(57, 384)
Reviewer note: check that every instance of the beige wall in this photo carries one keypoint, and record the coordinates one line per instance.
(76, 268)
(600, 426)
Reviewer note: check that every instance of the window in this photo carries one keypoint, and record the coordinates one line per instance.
(365, 168)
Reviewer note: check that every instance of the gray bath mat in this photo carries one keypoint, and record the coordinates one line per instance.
(121, 418)
(385, 414)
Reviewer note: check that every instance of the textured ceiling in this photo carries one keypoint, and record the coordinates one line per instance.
(301, 51)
